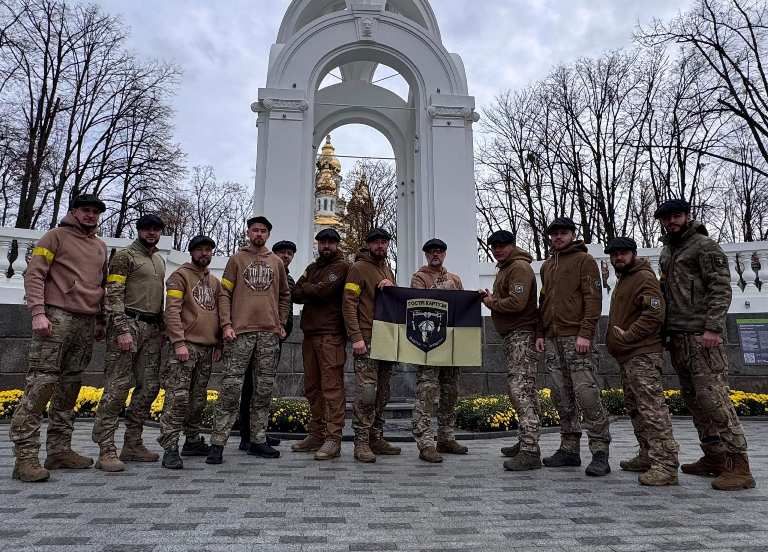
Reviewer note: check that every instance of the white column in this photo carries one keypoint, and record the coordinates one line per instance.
(748, 274)
(763, 272)
(735, 289)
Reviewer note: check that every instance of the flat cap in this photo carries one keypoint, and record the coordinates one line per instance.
(150, 221)
(84, 200)
(434, 243)
(261, 220)
(672, 206)
(197, 241)
(621, 244)
(283, 245)
(561, 223)
(377, 234)
(500, 237)
(328, 234)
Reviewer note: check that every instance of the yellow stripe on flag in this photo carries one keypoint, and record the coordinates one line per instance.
(354, 288)
(43, 252)
(175, 293)
(227, 284)
(116, 278)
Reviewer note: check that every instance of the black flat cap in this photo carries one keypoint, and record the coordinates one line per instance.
(86, 200)
(328, 234)
(261, 220)
(435, 243)
(500, 237)
(561, 222)
(672, 206)
(197, 241)
(150, 221)
(283, 245)
(621, 244)
(378, 234)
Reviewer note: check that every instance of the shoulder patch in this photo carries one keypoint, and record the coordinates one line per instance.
(332, 277)
(654, 303)
(518, 289)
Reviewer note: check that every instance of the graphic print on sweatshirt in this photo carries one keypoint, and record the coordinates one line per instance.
(203, 295)
(258, 276)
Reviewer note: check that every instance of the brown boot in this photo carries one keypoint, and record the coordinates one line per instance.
(109, 462)
(384, 448)
(330, 449)
(68, 460)
(363, 453)
(709, 464)
(640, 463)
(29, 470)
(736, 474)
(135, 451)
(429, 454)
(451, 446)
(656, 476)
(310, 443)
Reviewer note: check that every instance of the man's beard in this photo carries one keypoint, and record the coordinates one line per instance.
(325, 253)
(378, 255)
(148, 244)
(258, 242)
(202, 263)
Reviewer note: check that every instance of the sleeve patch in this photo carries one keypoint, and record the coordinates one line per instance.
(227, 284)
(354, 288)
(518, 289)
(43, 252)
(116, 278)
(175, 293)
(332, 277)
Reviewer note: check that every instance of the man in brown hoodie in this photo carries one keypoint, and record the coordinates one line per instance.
(320, 289)
(369, 273)
(253, 310)
(192, 327)
(634, 340)
(571, 304)
(64, 286)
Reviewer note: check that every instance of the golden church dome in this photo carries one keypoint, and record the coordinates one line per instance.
(328, 170)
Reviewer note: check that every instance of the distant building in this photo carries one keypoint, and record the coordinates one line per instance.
(329, 205)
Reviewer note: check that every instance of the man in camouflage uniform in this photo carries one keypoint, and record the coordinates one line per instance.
(436, 381)
(516, 317)
(571, 304)
(696, 283)
(192, 326)
(66, 319)
(134, 305)
(634, 340)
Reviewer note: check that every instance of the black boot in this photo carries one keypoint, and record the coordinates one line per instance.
(263, 450)
(273, 441)
(599, 465)
(195, 448)
(562, 458)
(244, 444)
(172, 460)
(215, 455)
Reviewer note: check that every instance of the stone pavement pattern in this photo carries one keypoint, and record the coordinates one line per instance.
(298, 504)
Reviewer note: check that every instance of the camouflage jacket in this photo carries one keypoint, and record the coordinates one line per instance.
(696, 282)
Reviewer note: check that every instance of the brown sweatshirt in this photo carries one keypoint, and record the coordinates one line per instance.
(571, 293)
(67, 269)
(428, 278)
(513, 306)
(321, 289)
(360, 294)
(254, 296)
(637, 307)
(191, 306)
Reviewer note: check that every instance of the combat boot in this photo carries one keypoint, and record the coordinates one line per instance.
(599, 465)
(524, 460)
(511, 452)
(215, 455)
(640, 463)
(172, 460)
(197, 447)
(736, 474)
(29, 470)
(273, 441)
(384, 448)
(562, 458)
(363, 453)
(310, 443)
(451, 446)
(263, 450)
(244, 444)
(709, 464)
(656, 476)
(430, 454)
(109, 462)
(330, 449)
(68, 460)
(135, 451)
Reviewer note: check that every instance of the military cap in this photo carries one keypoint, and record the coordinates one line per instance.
(621, 244)
(84, 200)
(197, 241)
(150, 221)
(283, 245)
(261, 220)
(561, 222)
(435, 243)
(672, 206)
(328, 234)
(500, 237)
(378, 234)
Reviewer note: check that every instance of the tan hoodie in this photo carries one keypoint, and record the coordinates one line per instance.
(254, 296)
(513, 307)
(191, 306)
(67, 269)
(428, 278)
(360, 294)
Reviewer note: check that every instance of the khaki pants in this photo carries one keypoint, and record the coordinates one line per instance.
(324, 358)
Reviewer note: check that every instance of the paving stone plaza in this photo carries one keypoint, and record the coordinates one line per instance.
(399, 503)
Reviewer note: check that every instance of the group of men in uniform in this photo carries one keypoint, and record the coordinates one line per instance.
(76, 295)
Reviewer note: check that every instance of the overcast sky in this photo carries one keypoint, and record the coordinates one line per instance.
(222, 48)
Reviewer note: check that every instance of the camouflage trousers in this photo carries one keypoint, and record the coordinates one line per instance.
(647, 409)
(433, 382)
(55, 368)
(575, 392)
(186, 394)
(522, 362)
(372, 377)
(703, 375)
(140, 368)
(257, 352)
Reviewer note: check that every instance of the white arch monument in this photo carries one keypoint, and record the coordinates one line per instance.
(430, 133)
